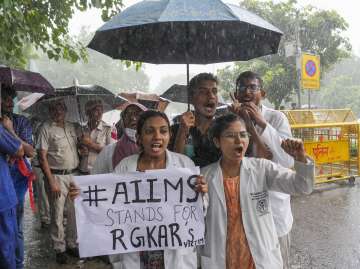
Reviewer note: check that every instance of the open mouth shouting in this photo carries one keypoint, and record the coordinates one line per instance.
(210, 107)
(239, 150)
(247, 99)
(156, 147)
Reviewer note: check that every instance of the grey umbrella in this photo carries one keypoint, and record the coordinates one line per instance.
(75, 98)
(186, 31)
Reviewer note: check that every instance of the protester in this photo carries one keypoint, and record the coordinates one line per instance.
(57, 147)
(153, 135)
(192, 130)
(97, 136)
(112, 154)
(240, 231)
(272, 127)
(20, 168)
(9, 146)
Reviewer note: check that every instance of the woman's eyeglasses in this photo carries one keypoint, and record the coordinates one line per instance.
(234, 135)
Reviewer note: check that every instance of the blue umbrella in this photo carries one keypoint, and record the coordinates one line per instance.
(186, 32)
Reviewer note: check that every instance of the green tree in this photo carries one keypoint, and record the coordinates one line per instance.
(44, 25)
(320, 32)
(340, 87)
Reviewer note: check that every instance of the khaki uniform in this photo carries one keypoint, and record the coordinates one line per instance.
(62, 156)
(100, 135)
(42, 200)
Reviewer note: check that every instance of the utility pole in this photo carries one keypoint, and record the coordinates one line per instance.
(298, 58)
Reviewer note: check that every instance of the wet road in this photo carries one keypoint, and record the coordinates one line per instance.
(326, 233)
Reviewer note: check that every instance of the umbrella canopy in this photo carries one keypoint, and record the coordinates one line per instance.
(178, 93)
(75, 98)
(149, 100)
(186, 31)
(21, 80)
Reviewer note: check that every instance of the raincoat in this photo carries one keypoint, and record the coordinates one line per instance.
(257, 177)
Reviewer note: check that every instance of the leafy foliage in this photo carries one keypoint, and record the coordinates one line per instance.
(320, 32)
(341, 87)
(44, 25)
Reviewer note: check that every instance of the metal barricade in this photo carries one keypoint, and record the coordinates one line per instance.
(331, 138)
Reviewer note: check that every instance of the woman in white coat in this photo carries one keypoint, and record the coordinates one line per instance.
(153, 134)
(240, 231)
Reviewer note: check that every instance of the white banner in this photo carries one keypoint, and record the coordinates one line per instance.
(138, 211)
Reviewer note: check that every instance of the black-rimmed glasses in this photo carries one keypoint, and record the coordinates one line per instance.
(252, 87)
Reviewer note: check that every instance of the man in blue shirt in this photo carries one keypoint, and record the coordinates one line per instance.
(19, 127)
(9, 146)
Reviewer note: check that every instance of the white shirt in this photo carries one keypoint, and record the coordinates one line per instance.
(101, 135)
(276, 130)
(103, 163)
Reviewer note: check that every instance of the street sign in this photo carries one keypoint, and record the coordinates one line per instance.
(310, 71)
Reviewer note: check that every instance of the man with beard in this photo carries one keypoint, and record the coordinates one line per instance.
(20, 169)
(203, 96)
(97, 136)
(272, 127)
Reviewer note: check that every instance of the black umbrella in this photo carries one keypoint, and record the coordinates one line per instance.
(21, 80)
(178, 93)
(186, 31)
(75, 98)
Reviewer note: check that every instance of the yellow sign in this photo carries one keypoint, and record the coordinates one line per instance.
(310, 71)
(328, 151)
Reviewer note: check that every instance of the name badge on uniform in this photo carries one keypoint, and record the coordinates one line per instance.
(262, 202)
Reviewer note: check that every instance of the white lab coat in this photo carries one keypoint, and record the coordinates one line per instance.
(257, 177)
(278, 129)
(173, 259)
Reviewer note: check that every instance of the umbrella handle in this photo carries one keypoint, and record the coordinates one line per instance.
(187, 86)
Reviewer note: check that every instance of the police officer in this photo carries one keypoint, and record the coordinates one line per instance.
(57, 147)
(97, 136)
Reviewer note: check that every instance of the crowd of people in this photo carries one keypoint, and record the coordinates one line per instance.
(245, 180)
